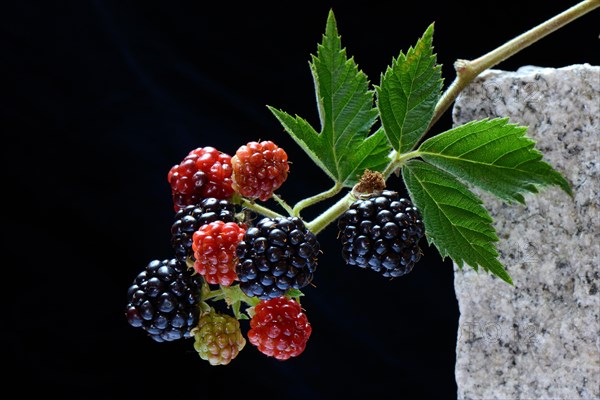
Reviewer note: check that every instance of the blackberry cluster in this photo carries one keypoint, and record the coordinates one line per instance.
(164, 300)
(382, 233)
(190, 218)
(276, 255)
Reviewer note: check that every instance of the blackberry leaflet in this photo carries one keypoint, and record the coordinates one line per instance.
(382, 233)
(276, 255)
(190, 218)
(164, 300)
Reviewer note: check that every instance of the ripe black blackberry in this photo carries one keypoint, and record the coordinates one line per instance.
(382, 233)
(276, 255)
(164, 300)
(190, 218)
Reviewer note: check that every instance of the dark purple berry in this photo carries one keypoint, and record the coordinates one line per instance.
(164, 300)
(276, 255)
(382, 233)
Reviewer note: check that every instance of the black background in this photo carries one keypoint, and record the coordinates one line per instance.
(101, 98)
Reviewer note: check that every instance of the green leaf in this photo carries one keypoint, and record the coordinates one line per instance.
(295, 293)
(455, 220)
(306, 137)
(342, 147)
(409, 91)
(494, 155)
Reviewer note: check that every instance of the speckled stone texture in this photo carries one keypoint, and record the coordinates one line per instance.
(541, 338)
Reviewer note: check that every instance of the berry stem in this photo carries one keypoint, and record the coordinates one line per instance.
(331, 214)
(213, 295)
(251, 205)
(283, 204)
(302, 204)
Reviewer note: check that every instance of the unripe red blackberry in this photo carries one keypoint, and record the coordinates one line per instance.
(259, 168)
(164, 300)
(382, 233)
(279, 328)
(218, 338)
(190, 218)
(276, 255)
(215, 251)
(204, 172)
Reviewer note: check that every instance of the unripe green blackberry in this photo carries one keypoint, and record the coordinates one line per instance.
(276, 255)
(218, 338)
(382, 233)
(164, 300)
(190, 218)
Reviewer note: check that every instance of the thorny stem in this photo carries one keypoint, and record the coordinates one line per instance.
(316, 198)
(467, 70)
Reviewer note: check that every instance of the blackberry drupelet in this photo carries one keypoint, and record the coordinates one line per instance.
(190, 218)
(276, 255)
(164, 300)
(382, 233)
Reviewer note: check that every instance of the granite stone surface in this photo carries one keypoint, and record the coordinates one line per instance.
(541, 338)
